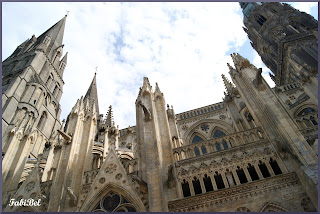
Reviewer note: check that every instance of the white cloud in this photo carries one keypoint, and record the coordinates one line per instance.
(182, 46)
(304, 6)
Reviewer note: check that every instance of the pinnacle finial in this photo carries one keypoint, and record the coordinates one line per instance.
(109, 119)
(157, 87)
(227, 84)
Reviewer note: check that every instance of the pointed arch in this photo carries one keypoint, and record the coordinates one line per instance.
(90, 205)
(197, 137)
(270, 207)
(224, 126)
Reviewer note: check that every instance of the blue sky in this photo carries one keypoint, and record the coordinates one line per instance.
(182, 46)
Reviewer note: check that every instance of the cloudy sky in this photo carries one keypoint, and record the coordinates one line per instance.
(182, 46)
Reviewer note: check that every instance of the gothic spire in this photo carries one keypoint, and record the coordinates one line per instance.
(55, 33)
(109, 119)
(92, 93)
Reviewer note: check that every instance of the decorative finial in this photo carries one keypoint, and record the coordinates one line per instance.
(96, 70)
(67, 12)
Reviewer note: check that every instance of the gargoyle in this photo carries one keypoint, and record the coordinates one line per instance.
(65, 136)
(72, 196)
(258, 80)
(147, 113)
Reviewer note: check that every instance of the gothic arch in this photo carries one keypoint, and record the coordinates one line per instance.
(217, 123)
(296, 113)
(196, 134)
(270, 207)
(90, 204)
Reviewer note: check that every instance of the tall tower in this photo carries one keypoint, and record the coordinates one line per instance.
(287, 41)
(75, 151)
(32, 82)
(155, 146)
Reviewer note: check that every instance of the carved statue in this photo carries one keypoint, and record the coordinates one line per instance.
(146, 112)
(171, 181)
(72, 196)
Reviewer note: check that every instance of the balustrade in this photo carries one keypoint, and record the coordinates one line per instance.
(217, 144)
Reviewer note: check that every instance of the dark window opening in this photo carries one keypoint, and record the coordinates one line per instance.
(196, 186)
(275, 167)
(218, 134)
(242, 177)
(196, 151)
(218, 147)
(224, 144)
(314, 122)
(253, 173)
(264, 170)
(204, 150)
(197, 139)
(207, 183)
(185, 188)
(260, 19)
(219, 181)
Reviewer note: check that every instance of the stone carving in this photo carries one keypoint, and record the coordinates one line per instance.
(242, 209)
(72, 196)
(111, 168)
(184, 127)
(102, 180)
(30, 186)
(118, 176)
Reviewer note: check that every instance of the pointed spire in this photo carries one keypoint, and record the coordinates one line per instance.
(55, 33)
(92, 93)
(146, 82)
(227, 84)
(157, 87)
(109, 119)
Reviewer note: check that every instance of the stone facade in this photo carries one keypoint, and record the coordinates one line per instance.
(256, 151)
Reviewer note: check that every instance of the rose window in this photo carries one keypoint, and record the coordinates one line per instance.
(114, 202)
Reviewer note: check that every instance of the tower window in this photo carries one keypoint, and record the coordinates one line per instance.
(218, 147)
(42, 120)
(242, 177)
(260, 19)
(204, 150)
(218, 134)
(196, 151)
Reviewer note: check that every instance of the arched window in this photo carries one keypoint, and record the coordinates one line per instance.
(264, 170)
(224, 144)
(260, 19)
(185, 188)
(42, 121)
(219, 181)
(275, 167)
(218, 147)
(114, 202)
(207, 183)
(196, 186)
(203, 149)
(196, 151)
(197, 139)
(306, 111)
(218, 134)
(253, 173)
(242, 177)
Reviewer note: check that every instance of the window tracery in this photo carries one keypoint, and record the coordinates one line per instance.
(114, 202)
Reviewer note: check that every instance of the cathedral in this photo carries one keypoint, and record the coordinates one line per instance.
(255, 151)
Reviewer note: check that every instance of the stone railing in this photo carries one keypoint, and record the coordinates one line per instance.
(200, 111)
(218, 144)
(224, 196)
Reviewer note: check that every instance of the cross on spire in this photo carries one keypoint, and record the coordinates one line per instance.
(67, 12)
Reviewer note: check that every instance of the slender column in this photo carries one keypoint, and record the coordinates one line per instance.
(258, 171)
(213, 181)
(246, 172)
(235, 175)
(229, 177)
(269, 168)
(224, 180)
(191, 186)
(203, 188)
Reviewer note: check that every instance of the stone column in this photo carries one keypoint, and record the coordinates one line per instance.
(213, 181)
(269, 168)
(246, 172)
(203, 188)
(229, 177)
(191, 186)
(258, 171)
(225, 180)
(235, 175)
